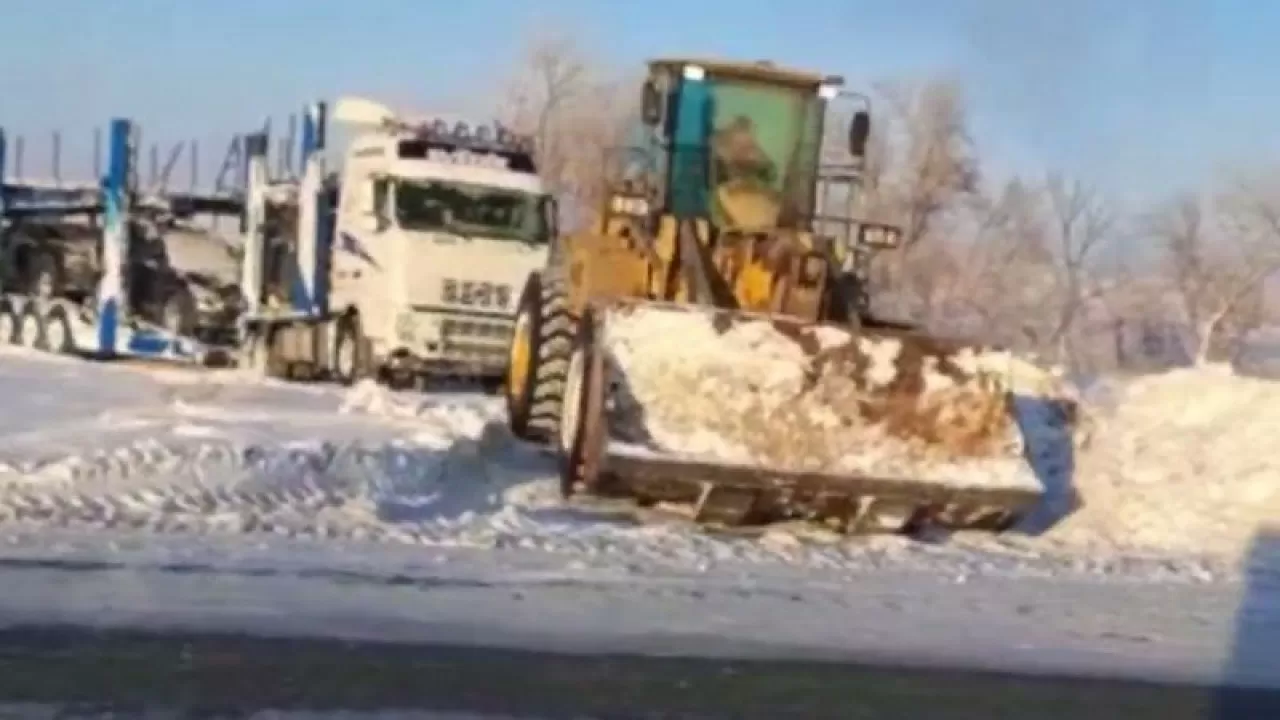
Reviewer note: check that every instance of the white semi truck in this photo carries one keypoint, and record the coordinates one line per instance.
(405, 264)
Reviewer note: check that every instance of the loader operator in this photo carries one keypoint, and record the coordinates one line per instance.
(744, 176)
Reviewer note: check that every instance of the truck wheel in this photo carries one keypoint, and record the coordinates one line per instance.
(350, 351)
(8, 323)
(256, 352)
(538, 358)
(31, 328)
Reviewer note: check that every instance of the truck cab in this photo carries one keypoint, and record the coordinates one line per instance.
(436, 229)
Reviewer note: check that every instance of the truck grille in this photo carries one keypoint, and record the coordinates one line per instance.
(477, 330)
(475, 341)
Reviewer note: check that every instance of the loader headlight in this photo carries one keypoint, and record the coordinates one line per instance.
(623, 205)
(880, 236)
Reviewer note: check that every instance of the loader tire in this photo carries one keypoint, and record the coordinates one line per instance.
(538, 359)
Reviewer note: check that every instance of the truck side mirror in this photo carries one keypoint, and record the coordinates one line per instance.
(859, 132)
(650, 103)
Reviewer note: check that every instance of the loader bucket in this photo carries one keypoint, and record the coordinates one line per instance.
(747, 419)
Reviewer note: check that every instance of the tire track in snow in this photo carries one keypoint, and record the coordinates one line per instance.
(323, 489)
(223, 475)
(481, 491)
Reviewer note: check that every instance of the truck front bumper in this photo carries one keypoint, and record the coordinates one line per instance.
(465, 346)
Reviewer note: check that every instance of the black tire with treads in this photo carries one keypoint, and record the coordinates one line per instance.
(8, 323)
(535, 415)
(350, 331)
(59, 323)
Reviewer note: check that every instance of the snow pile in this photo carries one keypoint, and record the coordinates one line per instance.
(1186, 462)
(369, 398)
(820, 399)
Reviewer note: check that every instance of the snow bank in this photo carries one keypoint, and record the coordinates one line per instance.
(1180, 463)
(1186, 461)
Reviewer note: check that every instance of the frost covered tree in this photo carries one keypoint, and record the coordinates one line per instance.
(577, 112)
(1218, 252)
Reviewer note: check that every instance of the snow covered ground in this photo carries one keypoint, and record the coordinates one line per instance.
(131, 494)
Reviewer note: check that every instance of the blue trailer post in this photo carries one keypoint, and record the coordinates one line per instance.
(323, 216)
(303, 296)
(115, 237)
(118, 327)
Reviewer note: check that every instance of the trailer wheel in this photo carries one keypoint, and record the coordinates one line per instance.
(350, 351)
(260, 354)
(31, 329)
(255, 354)
(538, 358)
(8, 323)
(178, 316)
(59, 335)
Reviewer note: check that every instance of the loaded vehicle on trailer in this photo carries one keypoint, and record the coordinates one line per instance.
(185, 274)
(404, 265)
(86, 270)
(704, 346)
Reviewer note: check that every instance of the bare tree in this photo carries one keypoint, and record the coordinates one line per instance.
(575, 112)
(923, 170)
(1080, 224)
(1138, 322)
(1022, 265)
(1001, 262)
(1218, 255)
(552, 74)
(930, 155)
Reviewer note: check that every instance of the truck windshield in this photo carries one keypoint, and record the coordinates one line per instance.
(469, 209)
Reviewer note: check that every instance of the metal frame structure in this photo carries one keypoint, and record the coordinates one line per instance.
(109, 328)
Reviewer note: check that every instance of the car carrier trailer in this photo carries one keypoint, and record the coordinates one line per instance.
(107, 323)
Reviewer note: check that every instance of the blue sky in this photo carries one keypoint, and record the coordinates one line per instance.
(1139, 96)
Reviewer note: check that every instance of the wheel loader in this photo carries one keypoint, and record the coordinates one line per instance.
(705, 346)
